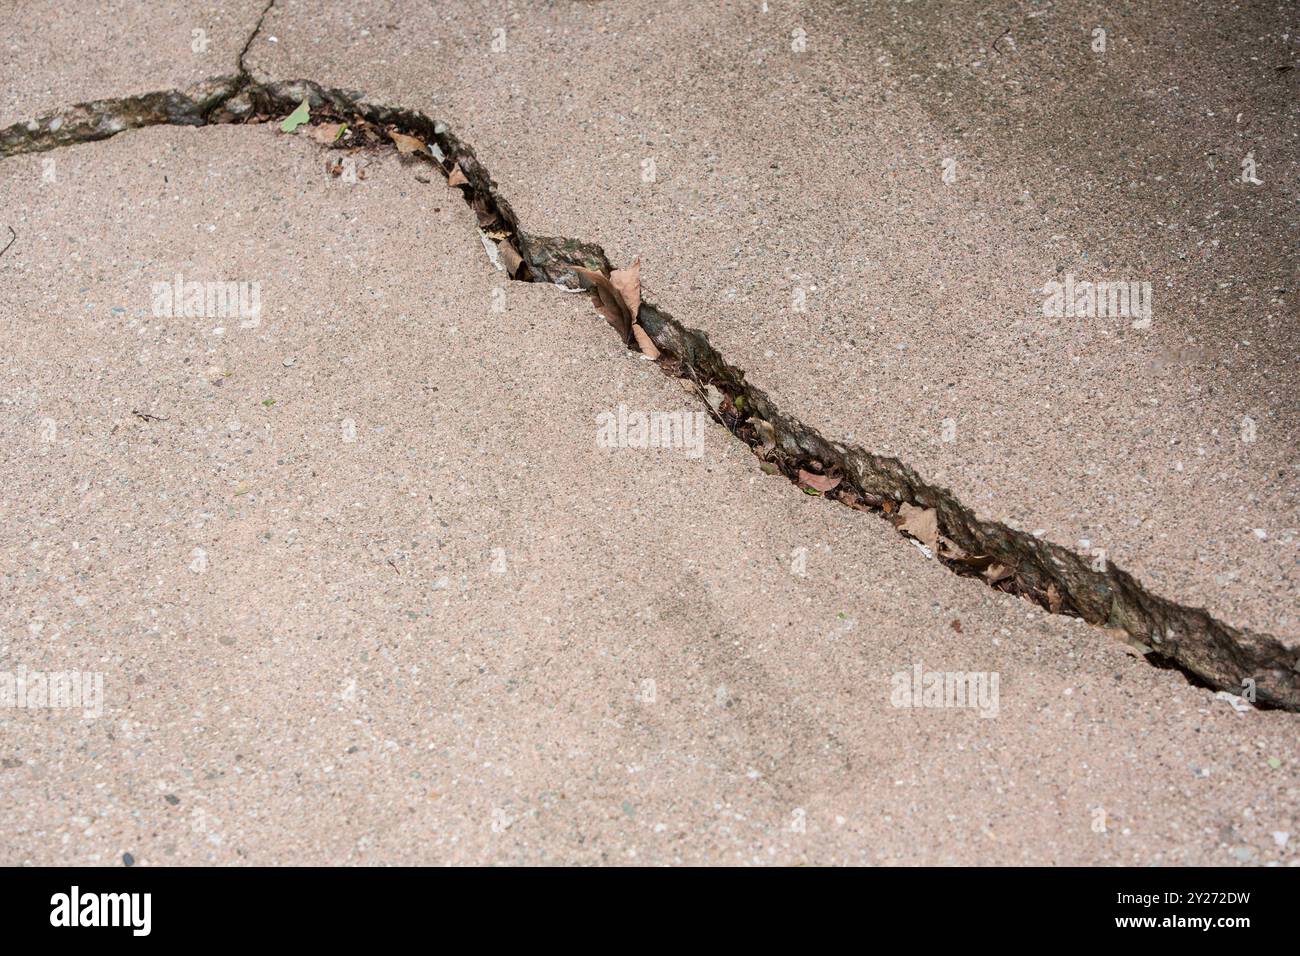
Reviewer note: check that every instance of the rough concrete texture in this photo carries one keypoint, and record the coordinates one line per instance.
(797, 211)
(55, 56)
(312, 651)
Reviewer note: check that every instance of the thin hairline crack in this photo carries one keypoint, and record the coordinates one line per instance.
(1208, 651)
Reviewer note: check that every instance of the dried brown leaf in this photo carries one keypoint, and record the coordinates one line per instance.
(951, 550)
(326, 133)
(997, 572)
(456, 177)
(510, 258)
(486, 215)
(407, 144)
(643, 340)
(1053, 598)
(921, 523)
(671, 366)
(822, 483)
(608, 302)
(628, 283)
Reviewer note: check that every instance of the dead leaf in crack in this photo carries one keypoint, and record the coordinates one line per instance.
(328, 133)
(951, 550)
(486, 216)
(1053, 598)
(766, 433)
(646, 343)
(628, 283)
(456, 177)
(510, 258)
(406, 144)
(921, 523)
(671, 366)
(608, 302)
(997, 572)
(822, 483)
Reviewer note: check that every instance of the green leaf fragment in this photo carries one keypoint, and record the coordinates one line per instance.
(295, 119)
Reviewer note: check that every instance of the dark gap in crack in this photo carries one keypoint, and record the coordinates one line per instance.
(1207, 652)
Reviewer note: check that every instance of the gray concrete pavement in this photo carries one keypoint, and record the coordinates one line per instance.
(362, 584)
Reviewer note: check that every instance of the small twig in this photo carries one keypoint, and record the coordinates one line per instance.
(394, 567)
(13, 238)
(146, 417)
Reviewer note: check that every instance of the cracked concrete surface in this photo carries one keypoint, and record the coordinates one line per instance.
(114, 49)
(1263, 666)
(347, 678)
(787, 774)
(821, 171)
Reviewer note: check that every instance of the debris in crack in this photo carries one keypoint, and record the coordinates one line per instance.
(644, 342)
(407, 144)
(514, 262)
(1207, 651)
(100, 119)
(627, 283)
(329, 134)
(921, 523)
(810, 481)
(299, 117)
(609, 302)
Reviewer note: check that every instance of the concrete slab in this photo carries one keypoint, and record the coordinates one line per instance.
(785, 177)
(362, 586)
(53, 59)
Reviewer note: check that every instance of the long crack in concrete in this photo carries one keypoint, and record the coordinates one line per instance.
(1207, 650)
